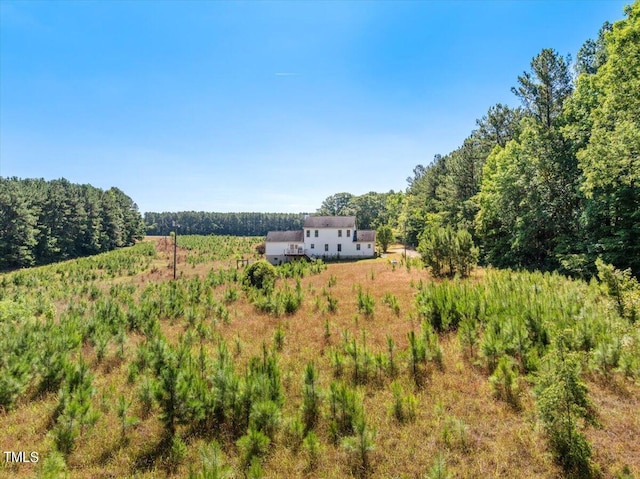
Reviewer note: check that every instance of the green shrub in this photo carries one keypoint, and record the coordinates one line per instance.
(622, 287)
(332, 303)
(294, 433)
(312, 448)
(360, 445)
(253, 445)
(563, 407)
(417, 355)
(403, 408)
(448, 252)
(392, 301)
(177, 453)
(265, 417)
(439, 469)
(260, 275)
(53, 467)
(504, 381)
(278, 338)
(125, 420)
(454, 433)
(344, 407)
(366, 303)
(391, 361)
(311, 398)
(213, 466)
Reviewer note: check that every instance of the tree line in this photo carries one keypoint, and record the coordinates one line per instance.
(233, 224)
(553, 184)
(46, 221)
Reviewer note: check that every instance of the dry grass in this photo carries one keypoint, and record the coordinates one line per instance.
(457, 415)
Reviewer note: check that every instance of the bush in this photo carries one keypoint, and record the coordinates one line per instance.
(384, 237)
(311, 398)
(54, 467)
(504, 381)
(312, 448)
(360, 445)
(403, 408)
(265, 417)
(345, 406)
(622, 287)
(563, 404)
(448, 252)
(177, 453)
(260, 275)
(366, 303)
(213, 465)
(253, 445)
(439, 469)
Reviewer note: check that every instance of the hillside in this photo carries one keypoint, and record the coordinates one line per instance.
(367, 368)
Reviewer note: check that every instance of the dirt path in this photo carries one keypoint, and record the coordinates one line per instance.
(399, 249)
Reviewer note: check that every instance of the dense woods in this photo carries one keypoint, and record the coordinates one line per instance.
(233, 224)
(47, 221)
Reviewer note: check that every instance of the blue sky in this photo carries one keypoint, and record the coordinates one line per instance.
(260, 106)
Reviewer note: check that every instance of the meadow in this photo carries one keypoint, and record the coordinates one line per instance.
(109, 368)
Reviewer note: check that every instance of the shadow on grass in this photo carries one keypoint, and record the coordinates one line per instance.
(151, 456)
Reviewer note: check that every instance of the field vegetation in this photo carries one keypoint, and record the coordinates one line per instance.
(109, 368)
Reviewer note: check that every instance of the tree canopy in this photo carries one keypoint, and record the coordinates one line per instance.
(46, 221)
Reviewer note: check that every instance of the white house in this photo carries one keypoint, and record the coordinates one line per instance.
(327, 237)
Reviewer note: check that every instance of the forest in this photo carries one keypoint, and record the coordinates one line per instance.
(235, 224)
(552, 184)
(47, 221)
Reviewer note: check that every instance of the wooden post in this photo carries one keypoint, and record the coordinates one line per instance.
(175, 247)
(241, 262)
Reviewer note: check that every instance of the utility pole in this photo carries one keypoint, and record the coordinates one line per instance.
(405, 239)
(175, 246)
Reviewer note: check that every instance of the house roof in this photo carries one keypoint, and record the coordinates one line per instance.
(330, 222)
(365, 236)
(285, 236)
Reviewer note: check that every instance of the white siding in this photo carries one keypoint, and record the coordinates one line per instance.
(329, 236)
(276, 251)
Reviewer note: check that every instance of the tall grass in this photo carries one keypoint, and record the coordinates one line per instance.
(155, 362)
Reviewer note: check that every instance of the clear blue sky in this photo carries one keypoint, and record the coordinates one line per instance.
(270, 106)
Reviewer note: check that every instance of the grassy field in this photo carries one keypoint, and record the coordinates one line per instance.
(351, 369)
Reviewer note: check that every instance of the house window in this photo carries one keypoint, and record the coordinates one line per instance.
(315, 233)
(326, 247)
(339, 248)
(308, 233)
(358, 246)
(313, 246)
(339, 233)
(369, 245)
(348, 233)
